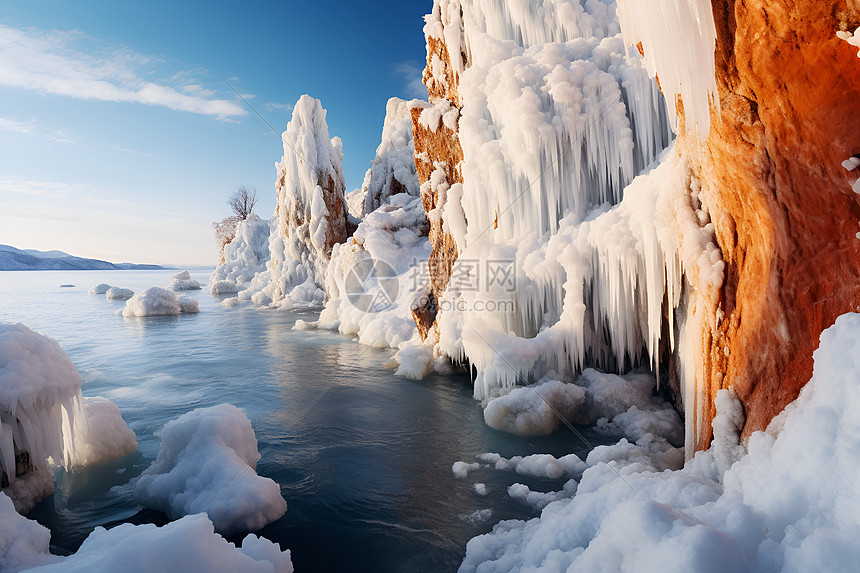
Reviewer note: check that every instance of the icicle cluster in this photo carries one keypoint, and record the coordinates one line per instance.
(678, 38)
(557, 116)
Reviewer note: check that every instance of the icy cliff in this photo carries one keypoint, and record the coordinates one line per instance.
(311, 212)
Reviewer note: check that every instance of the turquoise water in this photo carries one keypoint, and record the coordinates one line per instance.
(363, 457)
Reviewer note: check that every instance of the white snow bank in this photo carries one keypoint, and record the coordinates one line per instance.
(100, 289)
(156, 301)
(42, 419)
(535, 410)
(102, 434)
(23, 542)
(189, 544)
(791, 504)
(416, 361)
(244, 256)
(117, 293)
(207, 464)
(183, 281)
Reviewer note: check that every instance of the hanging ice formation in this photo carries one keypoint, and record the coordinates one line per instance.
(556, 115)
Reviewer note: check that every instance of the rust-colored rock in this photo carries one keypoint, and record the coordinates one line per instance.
(782, 205)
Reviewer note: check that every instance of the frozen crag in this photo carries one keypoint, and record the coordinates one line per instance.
(44, 420)
(183, 281)
(788, 505)
(207, 465)
(189, 544)
(157, 301)
(311, 213)
(245, 255)
(393, 169)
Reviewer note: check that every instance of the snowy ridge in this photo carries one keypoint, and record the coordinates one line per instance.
(678, 38)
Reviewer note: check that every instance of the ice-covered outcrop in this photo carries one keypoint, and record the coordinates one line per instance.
(766, 126)
(207, 465)
(393, 169)
(244, 256)
(183, 281)
(44, 420)
(311, 212)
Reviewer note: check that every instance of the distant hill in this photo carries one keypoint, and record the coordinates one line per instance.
(12, 259)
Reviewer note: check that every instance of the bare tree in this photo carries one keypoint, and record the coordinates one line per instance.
(242, 202)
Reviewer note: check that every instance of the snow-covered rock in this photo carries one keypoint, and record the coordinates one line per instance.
(43, 418)
(100, 288)
(207, 465)
(244, 256)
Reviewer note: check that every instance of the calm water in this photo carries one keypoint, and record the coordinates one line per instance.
(366, 470)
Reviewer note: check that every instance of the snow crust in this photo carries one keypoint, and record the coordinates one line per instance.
(183, 281)
(43, 414)
(157, 301)
(295, 275)
(207, 465)
(244, 256)
(789, 504)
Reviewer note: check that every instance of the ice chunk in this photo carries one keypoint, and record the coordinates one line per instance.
(188, 305)
(102, 435)
(189, 544)
(461, 469)
(183, 281)
(535, 410)
(23, 542)
(156, 301)
(207, 464)
(244, 256)
(100, 288)
(117, 293)
(416, 361)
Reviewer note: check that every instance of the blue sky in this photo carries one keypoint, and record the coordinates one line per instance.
(120, 140)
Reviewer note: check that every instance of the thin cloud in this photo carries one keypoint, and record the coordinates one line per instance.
(272, 106)
(32, 128)
(411, 76)
(132, 151)
(45, 62)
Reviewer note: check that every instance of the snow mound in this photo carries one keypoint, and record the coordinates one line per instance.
(416, 361)
(188, 305)
(224, 287)
(791, 504)
(117, 293)
(189, 544)
(157, 301)
(23, 542)
(102, 434)
(100, 289)
(183, 281)
(535, 410)
(207, 464)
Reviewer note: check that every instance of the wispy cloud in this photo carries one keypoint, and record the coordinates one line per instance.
(132, 151)
(26, 128)
(411, 76)
(272, 106)
(31, 127)
(46, 62)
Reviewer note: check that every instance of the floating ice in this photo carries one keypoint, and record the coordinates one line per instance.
(100, 288)
(117, 293)
(183, 281)
(101, 435)
(207, 464)
(535, 410)
(156, 301)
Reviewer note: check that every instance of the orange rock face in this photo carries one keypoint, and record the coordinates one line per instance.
(781, 202)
